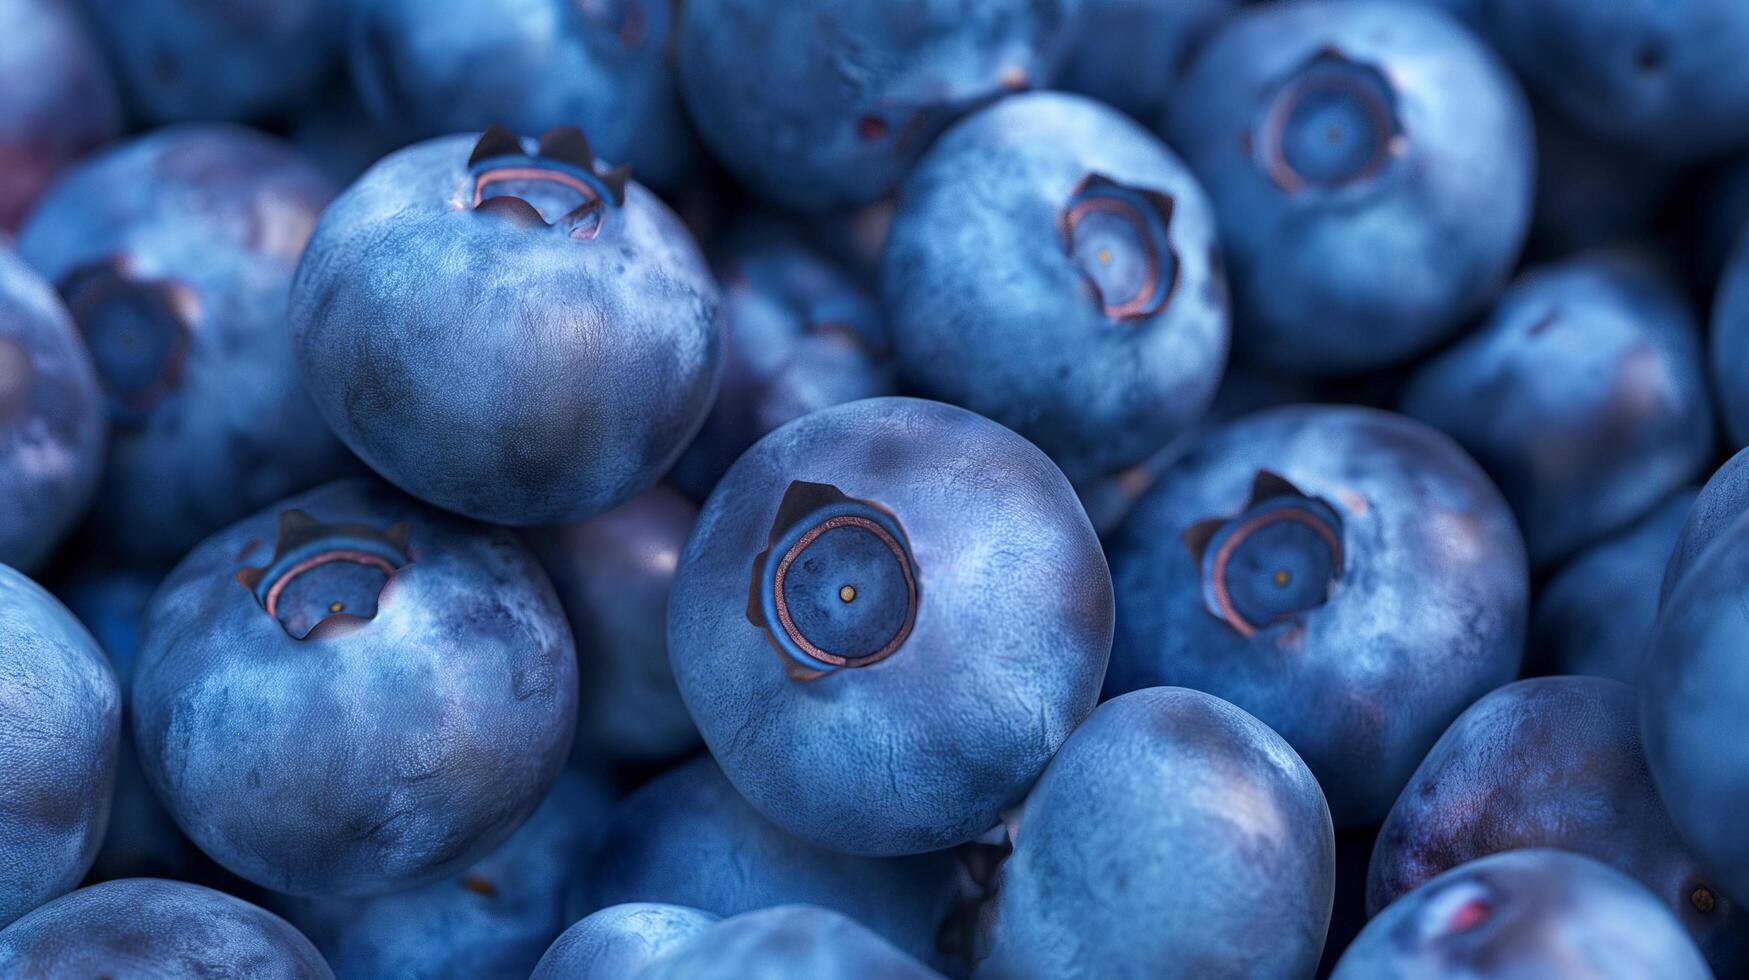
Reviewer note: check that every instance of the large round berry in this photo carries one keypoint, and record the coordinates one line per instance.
(1054, 267)
(1724, 498)
(58, 102)
(1347, 575)
(351, 693)
(507, 329)
(889, 616)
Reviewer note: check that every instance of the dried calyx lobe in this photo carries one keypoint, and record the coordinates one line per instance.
(137, 332)
(561, 185)
(1117, 236)
(1281, 555)
(326, 573)
(837, 586)
(1332, 123)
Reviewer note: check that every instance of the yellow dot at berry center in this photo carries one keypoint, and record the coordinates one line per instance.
(336, 606)
(1283, 576)
(847, 593)
(1105, 256)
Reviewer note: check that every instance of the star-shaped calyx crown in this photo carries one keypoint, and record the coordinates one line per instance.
(1279, 557)
(560, 185)
(326, 574)
(1119, 238)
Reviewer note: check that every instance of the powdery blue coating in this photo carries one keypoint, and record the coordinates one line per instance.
(218, 215)
(1427, 615)
(823, 106)
(435, 67)
(674, 840)
(60, 717)
(802, 335)
(52, 417)
(1167, 829)
(990, 309)
(370, 756)
(612, 573)
(1730, 343)
(1365, 274)
(1129, 53)
(1525, 915)
(59, 100)
(1584, 396)
(783, 942)
(1551, 762)
(921, 750)
(619, 941)
(503, 371)
(491, 922)
(1596, 615)
(167, 930)
(1724, 498)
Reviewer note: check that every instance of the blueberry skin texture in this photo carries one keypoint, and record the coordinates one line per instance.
(1691, 708)
(1584, 396)
(1009, 642)
(60, 718)
(1596, 616)
(380, 752)
(1127, 53)
(802, 335)
(666, 838)
(1160, 793)
(1551, 762)
(436, 67)
(1724, 498)
(783, 942)
(992, 305)
(1356, 685)
(168, 930)
(53, 424)
(823, 106)
(1372, 249)
(619, 941)
(187, 60)
(60, 99)
(1730, 343)
(612, 573)
(492, 922)
(1524, 915)
(174, 251)
(495, 365)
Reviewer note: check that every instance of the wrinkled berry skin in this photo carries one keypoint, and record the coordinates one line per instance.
(691, 819)
(1730, 343)
(149, 927)
(1692, 701)
(1525, 915)
(1584, 396)
(1596, 616)
(1274, 564)
(1054, 266)
(802, 335)
(1366, 206)
(491, 922)
(1161, 792)
(904, 723)
(59, 101)
(619, 941)
(612, 573)
(60, 718)
(518, 349)
(174, 251)
(53, 424)
(1724, 498)
(436, 67)
(423, 716)
(1128, 53)
(823, 106)
(786, 941)
(185, 60)
(1551, 762)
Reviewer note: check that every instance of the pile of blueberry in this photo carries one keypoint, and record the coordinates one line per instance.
(841, 489)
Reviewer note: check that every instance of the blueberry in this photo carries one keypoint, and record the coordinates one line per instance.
(618, 941)
(436, 67)
(1053, 266)
(1724, 498)
(1128, 53)
(1535, 913)
(52, 418)
(888, 617)
(491, 922)
(167, 930)
(60, 718)
(1347, 575)
(1372, 167)
(1550, 762)
(1163, 832)
(1596, 615)
(802, 336)
(59, 100)
(349, 693)
(825, 105)
(174, 251)
(512, 332)
(1583, 396)
(674, 839)
(1730, 343)
(785, 941)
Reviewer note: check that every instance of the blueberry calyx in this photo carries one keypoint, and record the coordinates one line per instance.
(1281, 555)
(560, 185)
(137, 331)
(1332, 123)
(325, 574)
(1117, 237)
